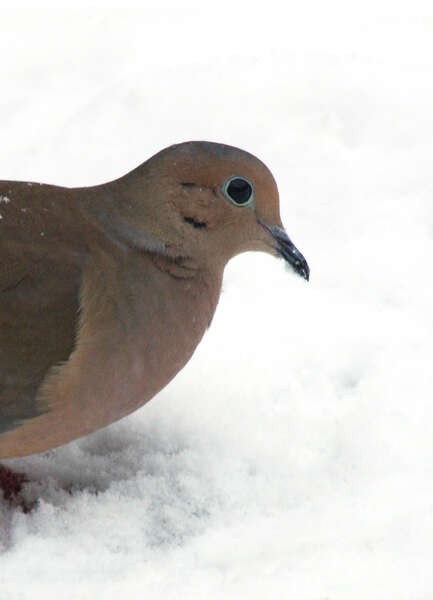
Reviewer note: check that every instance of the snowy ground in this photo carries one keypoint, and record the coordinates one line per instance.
(293, 456)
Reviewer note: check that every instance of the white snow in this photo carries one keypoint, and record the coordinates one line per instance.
(293, 456)
(4, 200)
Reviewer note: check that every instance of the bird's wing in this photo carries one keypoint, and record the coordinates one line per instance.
(41, 256)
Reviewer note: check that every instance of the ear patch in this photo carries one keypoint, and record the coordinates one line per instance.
(194, 223)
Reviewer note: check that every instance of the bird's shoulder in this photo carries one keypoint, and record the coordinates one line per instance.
(42, 242)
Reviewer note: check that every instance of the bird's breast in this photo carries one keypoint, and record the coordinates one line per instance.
(139, 326)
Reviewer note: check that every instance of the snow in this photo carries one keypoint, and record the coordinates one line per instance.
(293, 456)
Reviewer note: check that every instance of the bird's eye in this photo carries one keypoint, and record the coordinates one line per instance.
(239, 191)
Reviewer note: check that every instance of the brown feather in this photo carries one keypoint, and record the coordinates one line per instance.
(106, 291)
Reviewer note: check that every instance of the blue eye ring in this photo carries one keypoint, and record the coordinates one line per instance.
(239, 191)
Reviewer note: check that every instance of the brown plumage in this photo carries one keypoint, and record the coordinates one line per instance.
(106, 291)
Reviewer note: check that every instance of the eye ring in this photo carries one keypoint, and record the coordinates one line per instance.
(239, 190)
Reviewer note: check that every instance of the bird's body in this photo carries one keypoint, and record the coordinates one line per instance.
(106, 291)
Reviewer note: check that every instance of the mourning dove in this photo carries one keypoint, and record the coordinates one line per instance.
(106, 291)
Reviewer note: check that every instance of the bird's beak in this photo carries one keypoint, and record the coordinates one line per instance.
(287, 249)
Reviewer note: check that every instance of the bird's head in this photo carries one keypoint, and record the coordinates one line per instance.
(203, 201)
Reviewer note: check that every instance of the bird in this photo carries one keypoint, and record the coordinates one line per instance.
(106, 290)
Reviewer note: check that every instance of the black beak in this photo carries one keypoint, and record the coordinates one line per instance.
(287, 249)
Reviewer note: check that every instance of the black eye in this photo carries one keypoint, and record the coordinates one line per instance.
(238, 190)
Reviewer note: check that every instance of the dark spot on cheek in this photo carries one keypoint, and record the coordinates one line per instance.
(194, 223)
